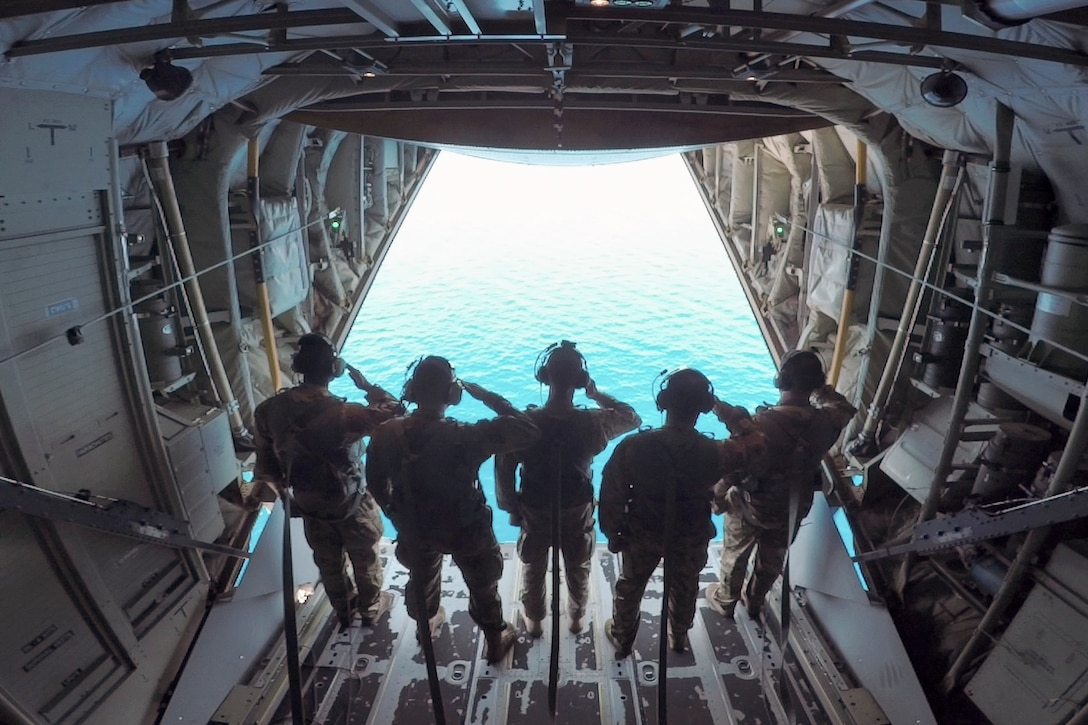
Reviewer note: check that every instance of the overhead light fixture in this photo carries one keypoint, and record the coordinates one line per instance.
(598, 3)
(166, 80)
(944, 89)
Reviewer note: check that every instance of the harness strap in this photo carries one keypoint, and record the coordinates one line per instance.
(415, 588)
(290, 625)
(553, 663)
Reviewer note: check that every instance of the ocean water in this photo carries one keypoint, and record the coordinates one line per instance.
(497, 260)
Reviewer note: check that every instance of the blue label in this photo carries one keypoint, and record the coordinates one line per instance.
(59, 308)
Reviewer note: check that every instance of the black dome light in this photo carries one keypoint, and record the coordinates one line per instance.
(166, 80)
(944, 89)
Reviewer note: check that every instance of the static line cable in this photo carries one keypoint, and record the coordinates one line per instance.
(290, 625)
(423, 633)
(132, 303)
(666, 585)
(553, 663)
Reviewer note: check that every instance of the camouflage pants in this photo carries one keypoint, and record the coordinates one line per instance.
(358, 536)
(576, 540)
(741, 537)
(686, 560)
(476, 553)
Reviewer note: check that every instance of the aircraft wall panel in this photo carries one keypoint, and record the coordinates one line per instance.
(53, 141)
(53, 660)
(71, 414)
(72, 394)
(1038, 672)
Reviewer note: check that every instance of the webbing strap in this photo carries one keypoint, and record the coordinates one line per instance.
(553, 663)
(290, 625)
(666, 580)
(406, 521)
(784, 611)
(423, 632)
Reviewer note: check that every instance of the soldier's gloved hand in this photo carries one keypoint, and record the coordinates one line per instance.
(358, 378)
(476, 391)
(734, 501)
(591, 388)
(727, 413)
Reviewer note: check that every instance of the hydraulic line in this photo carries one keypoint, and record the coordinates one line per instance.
(992, 225)
(945, 197)
(160, 171)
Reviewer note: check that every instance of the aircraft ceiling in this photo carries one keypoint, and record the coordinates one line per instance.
(518, 74)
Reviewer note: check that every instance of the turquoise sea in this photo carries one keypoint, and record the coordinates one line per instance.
(498, 260)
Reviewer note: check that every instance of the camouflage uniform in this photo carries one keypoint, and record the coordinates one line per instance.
(312, 438)
(423, 472)
(757, 507)
(576, 435)
(633, 512)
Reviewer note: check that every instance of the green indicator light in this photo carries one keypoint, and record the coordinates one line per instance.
(335, 223)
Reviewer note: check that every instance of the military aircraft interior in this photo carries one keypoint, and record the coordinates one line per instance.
(189, 186)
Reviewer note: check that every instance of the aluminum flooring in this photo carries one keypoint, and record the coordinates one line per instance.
(377, 675)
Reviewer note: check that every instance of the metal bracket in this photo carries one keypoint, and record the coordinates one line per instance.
(114, 516)
(975, 524)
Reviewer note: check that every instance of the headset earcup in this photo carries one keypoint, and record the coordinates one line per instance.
(406, 393)
(542, 374)
(338, 366)
(583, 378)
(453, 395)
(662, 399)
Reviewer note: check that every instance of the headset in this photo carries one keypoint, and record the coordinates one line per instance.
(336, 363)
(542, 368)
(684, 383)
(800, 369)
(453, 393)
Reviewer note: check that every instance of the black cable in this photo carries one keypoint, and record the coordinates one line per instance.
(290, 625)
(553, 663)
(423, 632)
(666, 581)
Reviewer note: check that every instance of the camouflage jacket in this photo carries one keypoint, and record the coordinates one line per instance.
(796, 437)
(309, 440)
(576, 435)
(424, 470)
(643, 466)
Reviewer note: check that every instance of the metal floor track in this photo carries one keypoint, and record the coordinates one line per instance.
(372, 676)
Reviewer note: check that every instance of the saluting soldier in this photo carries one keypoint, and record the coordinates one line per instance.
(308, 446)
(645, 471)
(424, 471)
(562, 458)
(798, 430)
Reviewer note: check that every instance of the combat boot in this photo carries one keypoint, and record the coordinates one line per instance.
(498, 642)
(712, 599)
(533, 627)
(434, 624)
(371, 616)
